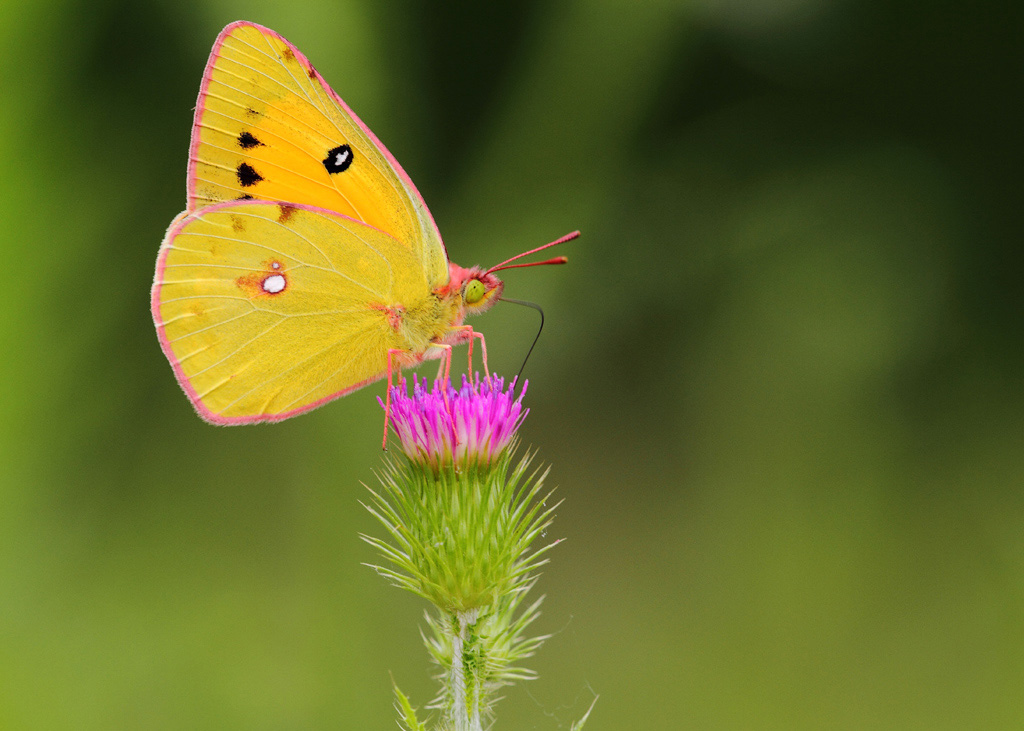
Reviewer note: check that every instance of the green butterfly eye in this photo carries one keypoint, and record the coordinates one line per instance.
(475, 291)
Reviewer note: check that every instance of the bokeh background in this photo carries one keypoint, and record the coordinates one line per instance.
(780, 384)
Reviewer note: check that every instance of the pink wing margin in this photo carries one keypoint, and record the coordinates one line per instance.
(201, 107)
(208, 416)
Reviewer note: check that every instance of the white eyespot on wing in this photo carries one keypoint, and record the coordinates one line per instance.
(338, 159)
(273, 284)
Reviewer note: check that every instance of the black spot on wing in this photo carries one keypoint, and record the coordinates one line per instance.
(247, 175)
(245, 197)
(339, 159)
(247, 141)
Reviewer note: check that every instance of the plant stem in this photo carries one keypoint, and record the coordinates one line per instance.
(464, 678)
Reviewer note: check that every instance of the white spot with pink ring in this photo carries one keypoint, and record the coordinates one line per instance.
(273, 284)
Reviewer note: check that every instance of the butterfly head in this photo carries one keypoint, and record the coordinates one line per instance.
(479, 289)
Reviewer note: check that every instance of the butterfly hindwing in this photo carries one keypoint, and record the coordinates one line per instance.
(266, 310)
(268, 127)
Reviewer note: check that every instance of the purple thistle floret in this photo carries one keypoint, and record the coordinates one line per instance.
(472, 427)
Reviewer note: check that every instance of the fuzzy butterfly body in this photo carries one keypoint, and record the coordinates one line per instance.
(306, 264)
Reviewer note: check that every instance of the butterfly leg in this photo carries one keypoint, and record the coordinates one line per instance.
(444, 373)
(444, 368)
(467, 332)
(392, 368)
(442, 362)
(483, 350)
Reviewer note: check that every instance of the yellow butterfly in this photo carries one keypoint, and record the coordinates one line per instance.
(306, 264)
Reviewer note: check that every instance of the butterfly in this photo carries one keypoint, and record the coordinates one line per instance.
(306, 265)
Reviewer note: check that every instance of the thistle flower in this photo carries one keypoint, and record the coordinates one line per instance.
(460, 520)
(461, 517)
(472, 426)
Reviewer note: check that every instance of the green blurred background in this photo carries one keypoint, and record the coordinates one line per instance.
(780, 386)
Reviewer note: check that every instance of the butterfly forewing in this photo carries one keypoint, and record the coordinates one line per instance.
(266, 310)
(268, 127)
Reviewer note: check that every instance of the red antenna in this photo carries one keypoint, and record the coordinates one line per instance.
(557, 260)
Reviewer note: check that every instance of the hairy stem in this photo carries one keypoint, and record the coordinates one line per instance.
(464, 678)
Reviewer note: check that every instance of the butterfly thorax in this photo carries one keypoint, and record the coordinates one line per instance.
(429, 321)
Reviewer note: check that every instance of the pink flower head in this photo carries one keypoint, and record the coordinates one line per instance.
(469, 426)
